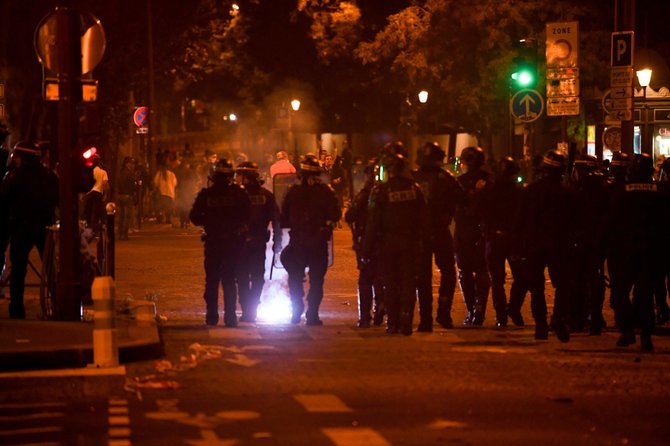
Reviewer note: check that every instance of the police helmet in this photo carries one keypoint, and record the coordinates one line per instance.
(508, 169)
(394, 165)
(584, 166)
(393, 148)
(248, 168)
(473, 157)
(619, 165)
(553, 163)
(223, 169)
(309, 165)
(27, 148)
(430, 154)
(641, 168)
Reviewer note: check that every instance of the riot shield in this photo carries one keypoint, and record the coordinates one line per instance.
(281, 183)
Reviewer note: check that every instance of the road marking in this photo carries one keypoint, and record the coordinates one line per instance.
(32, 416)
(47, 443)
(209, 438)
(492, 349)
(118, 401)
(119, 420)
(322, 403)
(84, 371)
(119, 432)
(242, 360)
(446, 424)
(233, 333)
(355, 436)
(30, 405)
(238, 415)
(34, 430)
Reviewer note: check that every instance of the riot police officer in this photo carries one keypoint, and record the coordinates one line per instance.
(588, 255)
(497, 205)
(545, 230)
(398, 219)
(370, 288)
(30, 196)
(251, 268)
(442, 193)
(636, 220)
(223, 210)
(469, 239)
(310, 209)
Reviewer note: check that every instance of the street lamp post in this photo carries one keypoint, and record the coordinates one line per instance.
(643, 78)
(295, 106)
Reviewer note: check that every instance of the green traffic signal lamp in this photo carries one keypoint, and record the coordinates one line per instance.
(524, 78)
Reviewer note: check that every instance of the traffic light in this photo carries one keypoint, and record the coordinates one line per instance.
(524, 74)
(85, 163)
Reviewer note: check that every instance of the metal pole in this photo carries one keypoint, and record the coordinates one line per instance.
(627, 18)
(68, 50)
(152, 92)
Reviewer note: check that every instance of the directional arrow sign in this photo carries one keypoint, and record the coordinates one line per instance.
(621, 92)
(526, 105)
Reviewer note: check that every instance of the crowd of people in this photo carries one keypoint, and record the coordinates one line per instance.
(591, 227)
(585, 228)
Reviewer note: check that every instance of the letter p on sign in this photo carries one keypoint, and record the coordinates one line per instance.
(622, 49)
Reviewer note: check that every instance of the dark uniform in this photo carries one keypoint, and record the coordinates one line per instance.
(588, 261)
(469, 240)
(544, 226)
(370, 288)
(30, 195)
(251, 268)
(636, 219)
(223, 210)
(398, 218)
(442, 192)
(4, 211)
(310, 210)
(497, 204)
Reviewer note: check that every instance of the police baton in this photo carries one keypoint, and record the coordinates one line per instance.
(272, 264)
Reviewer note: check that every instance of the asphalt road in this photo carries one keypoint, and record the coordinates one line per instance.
(274, 383)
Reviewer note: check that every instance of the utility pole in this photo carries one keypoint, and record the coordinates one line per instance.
(625, 21)
(68, 53)
(152, 92)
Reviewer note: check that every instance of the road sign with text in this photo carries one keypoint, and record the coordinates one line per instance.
(622, 49)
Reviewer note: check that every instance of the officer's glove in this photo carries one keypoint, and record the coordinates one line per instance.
(276, 248)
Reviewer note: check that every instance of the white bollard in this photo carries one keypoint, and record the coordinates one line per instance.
(105, 347)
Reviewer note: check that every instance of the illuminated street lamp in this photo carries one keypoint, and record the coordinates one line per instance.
(644, 77)
(295, 106)
(423, 96)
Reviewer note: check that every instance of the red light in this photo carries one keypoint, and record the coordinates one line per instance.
(90, 152)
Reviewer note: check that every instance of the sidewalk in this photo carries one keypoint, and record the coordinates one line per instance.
(35, 344)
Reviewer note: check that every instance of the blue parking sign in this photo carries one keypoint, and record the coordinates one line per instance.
(526, 105)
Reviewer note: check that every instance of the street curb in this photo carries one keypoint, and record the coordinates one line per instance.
(140, 350)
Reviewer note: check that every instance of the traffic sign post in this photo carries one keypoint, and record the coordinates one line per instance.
(526, 105)
(619, 105)
(562, 53)
(69, 45)
(141, 119)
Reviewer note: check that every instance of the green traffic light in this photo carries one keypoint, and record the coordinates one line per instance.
(523, 78)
